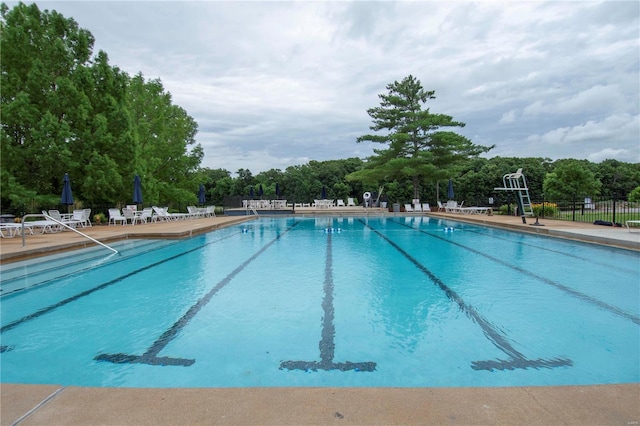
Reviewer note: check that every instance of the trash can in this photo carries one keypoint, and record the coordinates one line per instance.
(396, 207)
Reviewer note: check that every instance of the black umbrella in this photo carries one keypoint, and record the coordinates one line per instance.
(201, 196)
(251, 192)
(137, 190)
(67, 196)
(450, 190)
(277, 190)
(324, 193)
(260, 191)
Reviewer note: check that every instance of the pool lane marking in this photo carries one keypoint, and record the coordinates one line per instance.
(50, 308)
(327, 341)
(151, 357)
(560, 252)
(575, 293)
(518, 360)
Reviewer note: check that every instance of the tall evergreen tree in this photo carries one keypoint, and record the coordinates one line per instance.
(417, 147)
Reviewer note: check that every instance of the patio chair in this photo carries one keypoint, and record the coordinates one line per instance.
(441, 207)
(192, 211)
(408, 208)
(211, 211)
(87, 217)
(146, 215)
(417, 207)
(130, 215)
(350, 202)
(425, 207)
(82, 217)
(66, 219)
(340, 203)
(116, 216)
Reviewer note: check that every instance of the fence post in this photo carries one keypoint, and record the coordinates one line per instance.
(614, 209)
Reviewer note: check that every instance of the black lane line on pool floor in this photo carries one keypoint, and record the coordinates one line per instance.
(327, 341)
(559, 252)
(575, 293)
(151, 357)
(517, 360)
(50, 308)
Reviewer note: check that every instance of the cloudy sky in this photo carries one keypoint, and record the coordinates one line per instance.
(274, 84)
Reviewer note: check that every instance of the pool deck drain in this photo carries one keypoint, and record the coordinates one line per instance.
(58, 405)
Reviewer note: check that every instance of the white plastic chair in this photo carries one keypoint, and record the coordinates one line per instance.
(116, 216)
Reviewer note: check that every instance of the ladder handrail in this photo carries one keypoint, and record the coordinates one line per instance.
(46, 216)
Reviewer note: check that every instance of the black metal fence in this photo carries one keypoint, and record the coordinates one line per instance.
(584, 210)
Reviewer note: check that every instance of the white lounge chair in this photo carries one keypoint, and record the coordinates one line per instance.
(340, 203)
(425, 207)
(635, 222)
(441, 207)
(417, 207)
(350, 202)
(116, 216)
(408, 208)
(10, 230)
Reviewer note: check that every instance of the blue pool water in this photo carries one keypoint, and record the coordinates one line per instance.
(407, 302)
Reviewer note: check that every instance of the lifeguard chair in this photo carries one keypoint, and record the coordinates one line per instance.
(516, 182)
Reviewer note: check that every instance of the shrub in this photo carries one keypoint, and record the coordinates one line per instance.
(504, 209)
(546, 209)
(99, 218)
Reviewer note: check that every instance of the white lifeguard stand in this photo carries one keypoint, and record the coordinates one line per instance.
(516, 182)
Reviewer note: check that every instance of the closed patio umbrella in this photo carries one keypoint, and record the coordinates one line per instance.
(324, 192)
(251, 192)
(67, 196)
(202, 199)
(260, 191)
(137, 190)
(450, 193)
(277, 190)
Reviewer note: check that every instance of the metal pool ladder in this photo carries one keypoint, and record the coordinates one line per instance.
(24, 243)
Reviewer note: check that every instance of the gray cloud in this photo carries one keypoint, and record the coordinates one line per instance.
(274, 84)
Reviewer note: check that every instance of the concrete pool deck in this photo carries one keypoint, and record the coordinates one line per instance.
(59, 405)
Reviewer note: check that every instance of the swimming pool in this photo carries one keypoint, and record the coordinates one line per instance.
(395, 301)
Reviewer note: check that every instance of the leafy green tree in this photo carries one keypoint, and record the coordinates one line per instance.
(65, 113)
(571, 178)
(42, 54)
(634, 196)
(618, 178)
(480, 176)
(417, 147)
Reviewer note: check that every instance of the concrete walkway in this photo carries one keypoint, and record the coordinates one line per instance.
(566, 405)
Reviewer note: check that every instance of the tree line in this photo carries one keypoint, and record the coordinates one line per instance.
(565, 179)
(66, 111)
